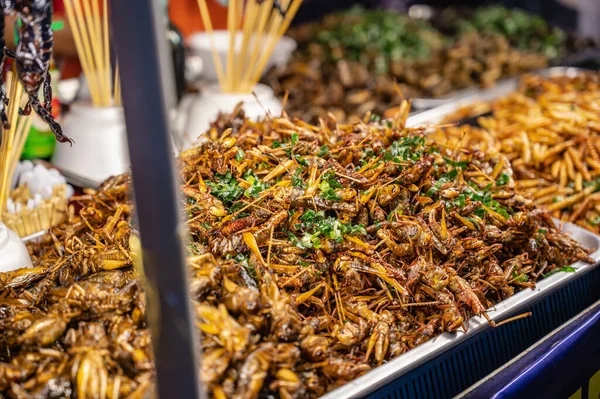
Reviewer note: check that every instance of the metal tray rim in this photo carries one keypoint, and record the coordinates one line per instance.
(444, 107)
(404, 363)
(34, 236)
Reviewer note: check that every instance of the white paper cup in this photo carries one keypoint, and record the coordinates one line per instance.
(100, 148)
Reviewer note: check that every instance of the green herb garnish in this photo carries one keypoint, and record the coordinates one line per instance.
(376, 37)
(519, 278)
(225, 188)
(294, 139)
(594, 222)
(301, 160)
(522, 30)
(239, 155)
(297, 180)
(307, 241)
(566, 269)
(327, 192)
(502, 179)
(243, 260)
(457, 164)
(256, 186)
(317, 225)
(323, 150)
(405, 148)
(444, 179)
(459, 201)
(485, 197)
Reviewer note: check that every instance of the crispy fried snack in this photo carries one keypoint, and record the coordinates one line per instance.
(550, 131)
(360, 61)
(316, 253)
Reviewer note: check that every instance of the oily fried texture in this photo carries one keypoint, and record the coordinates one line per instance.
(550, 131)
(73, 325)
(360, 61)
(316, 253)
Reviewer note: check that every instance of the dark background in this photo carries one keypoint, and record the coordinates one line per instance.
(550, 10)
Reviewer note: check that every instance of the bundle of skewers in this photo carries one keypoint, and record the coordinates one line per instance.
(23, 209)
(97, 126)
(89, 22)
(261, 24)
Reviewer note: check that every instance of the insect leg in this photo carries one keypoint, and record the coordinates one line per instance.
(25, 111)
(3, 102)
(47, 117)
(48, 93)
(277, 5)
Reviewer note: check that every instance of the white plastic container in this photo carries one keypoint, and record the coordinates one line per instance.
(13, 253)
(200, 45)
(212, 101)
(100, 149)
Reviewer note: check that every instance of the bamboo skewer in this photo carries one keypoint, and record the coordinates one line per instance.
(89, 23)
(82, 50)
(248, 24)
(117, 91)
(49, 212)
(292, 10)
(101, 36)
(107, 72)
(257, 68)
(15, 90)
(285, 24)
(96, 47)
(87, 43)
(208, 26)
(23, 129)
(232, 28)
(264, 18)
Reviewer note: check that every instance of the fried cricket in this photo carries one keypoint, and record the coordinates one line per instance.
(316, 253)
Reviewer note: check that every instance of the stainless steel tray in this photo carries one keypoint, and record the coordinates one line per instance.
(466, 97)
(79, 181)
(34, 236)
(72, 178)
(393, 369)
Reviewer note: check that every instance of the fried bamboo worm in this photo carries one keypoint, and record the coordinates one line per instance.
(576, 158)
(572, 199)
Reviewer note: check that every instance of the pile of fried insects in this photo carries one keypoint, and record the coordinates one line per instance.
(549, 129)
(316, 254)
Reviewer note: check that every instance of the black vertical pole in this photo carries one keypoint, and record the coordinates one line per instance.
(148, 94)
